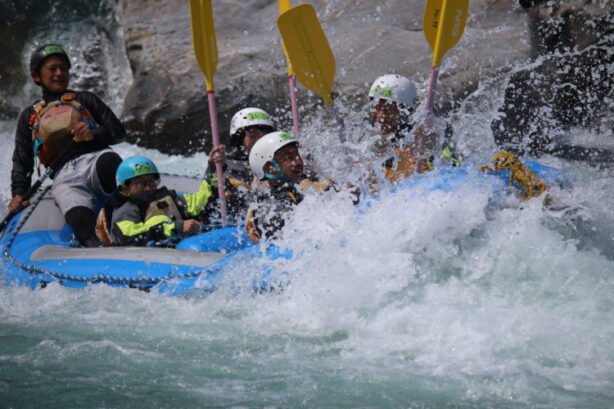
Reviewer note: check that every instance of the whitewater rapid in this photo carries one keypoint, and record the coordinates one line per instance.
(417, 300)
(411, 300)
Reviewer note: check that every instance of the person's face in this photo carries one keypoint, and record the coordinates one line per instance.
(290, 162)
(53, 74)
(252, 134)
(386, 115)
(139, 184)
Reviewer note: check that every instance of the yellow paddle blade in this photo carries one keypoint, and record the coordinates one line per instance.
(283, 6)
(308, 49)
(443, 25)
(203, 37)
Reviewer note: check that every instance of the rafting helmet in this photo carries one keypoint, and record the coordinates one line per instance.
(41, 53)
(395, 88)
(248, 117)
(133, 167)
(264, 150)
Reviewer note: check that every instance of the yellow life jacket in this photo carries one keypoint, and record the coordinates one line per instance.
(404, 166)
(51, 125)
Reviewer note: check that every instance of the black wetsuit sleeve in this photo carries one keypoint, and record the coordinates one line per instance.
(23, 155)
(110, 130)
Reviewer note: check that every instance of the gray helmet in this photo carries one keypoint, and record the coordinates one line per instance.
(41, 53)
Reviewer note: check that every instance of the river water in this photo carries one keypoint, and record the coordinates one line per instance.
(420, 301)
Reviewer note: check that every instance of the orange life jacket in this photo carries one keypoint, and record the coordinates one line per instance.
(51, 125)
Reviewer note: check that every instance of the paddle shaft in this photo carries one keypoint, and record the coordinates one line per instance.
(219, 170)
(430, 96)
(443, 25)
(309, 53)
(284, 5)
(293, 101)
(205, 51)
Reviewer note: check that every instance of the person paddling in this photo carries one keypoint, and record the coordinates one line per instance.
(275, 158)
(408, 145)
(86, 174)
(246, 127)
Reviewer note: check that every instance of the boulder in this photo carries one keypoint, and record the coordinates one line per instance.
(166, 107)
(569, 84)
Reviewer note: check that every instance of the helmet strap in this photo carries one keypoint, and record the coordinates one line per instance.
(282, 177)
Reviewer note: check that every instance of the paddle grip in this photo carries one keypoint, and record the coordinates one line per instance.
(292, 81)
(218, 165)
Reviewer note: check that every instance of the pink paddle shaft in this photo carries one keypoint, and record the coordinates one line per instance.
(218, 165)
(430, 97)
(292, 81)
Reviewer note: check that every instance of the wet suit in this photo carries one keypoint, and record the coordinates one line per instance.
(77, 201)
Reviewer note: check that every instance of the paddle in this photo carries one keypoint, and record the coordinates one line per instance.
(443, 24)
(49, 172)
(283, 6)
(205, 50)
(309, 53)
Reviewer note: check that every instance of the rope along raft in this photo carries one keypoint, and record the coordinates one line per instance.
(528, 184)
(100, 278)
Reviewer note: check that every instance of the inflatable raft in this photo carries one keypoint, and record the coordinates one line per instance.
(38, 247)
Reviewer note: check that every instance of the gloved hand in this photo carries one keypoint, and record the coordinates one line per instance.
(320, 185)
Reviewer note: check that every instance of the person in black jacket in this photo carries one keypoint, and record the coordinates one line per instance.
(85, 174)
(246, 127)
(275, 158)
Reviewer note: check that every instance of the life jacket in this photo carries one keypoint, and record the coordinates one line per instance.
(281, 200)
(401, 166)
(404, 164)
(52, 122)
(163, 204)
(103, 223)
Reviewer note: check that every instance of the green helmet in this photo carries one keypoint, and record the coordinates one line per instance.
(41, 53)
(133, 167)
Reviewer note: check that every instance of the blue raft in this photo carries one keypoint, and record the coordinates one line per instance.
(38, 246)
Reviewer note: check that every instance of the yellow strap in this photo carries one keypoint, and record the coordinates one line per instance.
(521, 177)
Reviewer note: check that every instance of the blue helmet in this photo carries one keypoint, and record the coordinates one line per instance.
(133, 167)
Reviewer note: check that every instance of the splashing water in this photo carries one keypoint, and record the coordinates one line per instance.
(416, 299)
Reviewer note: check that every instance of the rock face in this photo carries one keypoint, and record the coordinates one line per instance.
(166, 107)
(570, 84)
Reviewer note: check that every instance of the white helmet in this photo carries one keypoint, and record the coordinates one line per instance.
(264, 150)
(247, 117)
(395, 88)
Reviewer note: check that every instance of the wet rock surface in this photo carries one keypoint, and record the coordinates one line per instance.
(167, 109)
(570, 84)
